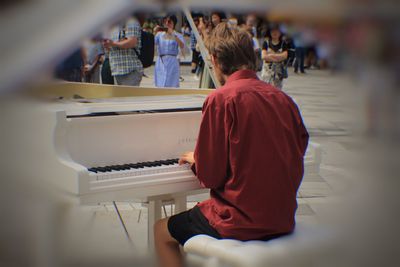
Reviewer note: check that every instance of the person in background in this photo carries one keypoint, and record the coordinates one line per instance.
(291, 49)
(310, 41)
(195, 53)
(106, 75)
(71, 68)
(168, 42)
(233, 22)
(216, 18)
(250, 150)
(148, 25)
(257, 49)
(251, 23)
(300, 52)
(124, 48)
(186, 29)
(94, 59)
(274, 55)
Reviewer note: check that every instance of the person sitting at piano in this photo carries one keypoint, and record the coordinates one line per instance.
(168, 43)
(249, 152)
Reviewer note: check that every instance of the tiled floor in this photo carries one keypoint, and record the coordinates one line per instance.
(322, 100)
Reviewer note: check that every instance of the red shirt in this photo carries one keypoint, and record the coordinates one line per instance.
(250, 152)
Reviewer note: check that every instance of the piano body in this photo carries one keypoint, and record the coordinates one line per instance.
(127, 148)
(120, 147)
(104, 144)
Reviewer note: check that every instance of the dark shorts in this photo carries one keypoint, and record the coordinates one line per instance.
(189, 223)
(195, 56)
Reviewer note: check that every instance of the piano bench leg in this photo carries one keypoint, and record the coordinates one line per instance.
(180, 204)
(165, 211)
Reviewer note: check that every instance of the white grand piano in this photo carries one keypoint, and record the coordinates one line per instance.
(121, 149)
(126, 148)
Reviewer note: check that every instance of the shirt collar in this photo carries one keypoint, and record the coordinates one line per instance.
(242, 74)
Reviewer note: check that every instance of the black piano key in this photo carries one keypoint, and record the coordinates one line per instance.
(113, 167)
(108, 169)
(137, 166)
(126, 167)
(101, 169)
(147, 164)
(140, 165)
(132, 166)
(93, 170)
(120, 167)
(171, 161)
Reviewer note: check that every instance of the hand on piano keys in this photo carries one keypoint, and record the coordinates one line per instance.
(187, 157)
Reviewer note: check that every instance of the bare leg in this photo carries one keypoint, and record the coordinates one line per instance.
(167, 248)
(194, 67)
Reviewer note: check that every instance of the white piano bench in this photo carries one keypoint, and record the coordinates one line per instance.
(296, 249)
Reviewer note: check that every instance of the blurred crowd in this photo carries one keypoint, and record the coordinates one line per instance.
(121, 53)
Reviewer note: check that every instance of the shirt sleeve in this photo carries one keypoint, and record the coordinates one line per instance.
(132, 29)
(212, 148)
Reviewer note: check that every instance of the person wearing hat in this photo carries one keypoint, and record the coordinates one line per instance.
(274, 55)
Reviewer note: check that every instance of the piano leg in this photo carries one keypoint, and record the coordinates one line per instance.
(154, 214)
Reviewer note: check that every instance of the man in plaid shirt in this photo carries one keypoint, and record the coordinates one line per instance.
(124, 48)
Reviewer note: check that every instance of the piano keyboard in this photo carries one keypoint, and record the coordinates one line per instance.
(137, 169)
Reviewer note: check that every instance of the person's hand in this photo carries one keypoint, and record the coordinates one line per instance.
(157, 29)
(187, 157)
(87, 68)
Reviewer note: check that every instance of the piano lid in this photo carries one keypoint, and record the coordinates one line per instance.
(129, 105)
